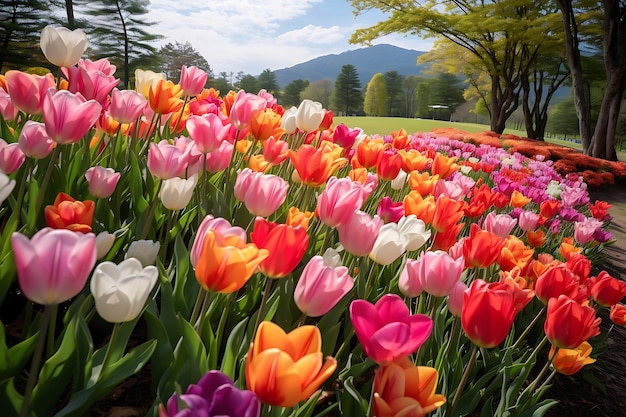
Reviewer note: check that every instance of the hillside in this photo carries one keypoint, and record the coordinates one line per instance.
(368, 61)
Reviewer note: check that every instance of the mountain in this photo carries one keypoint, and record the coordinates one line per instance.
(367, 61)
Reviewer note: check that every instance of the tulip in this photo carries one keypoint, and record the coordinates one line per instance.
(314, 166)
(226, 264)
(61, 46)
(167, 161)
(11, 157)
(297, 218)
(144, 80)
(6, 187)
(368, 152)
(456, 299)
(103, 65)
(387, 330)
(570, 361)
(220, 227)
(437, 272)
(207, 131)
(399, 181)
(102, 181)
(423, 208)
(528, 220)
(67, 213)
(213, 395)
(283, 369)
(390, 244)
(321, 286)
(443, 166)
(104, 243)
(309, 115)
(389, 164)
(121, 291)
(569, 324)
(618, 314)
(8, 111)
(54, 265)
(585, 230)
(447, 213)
(288, 121)
(34, 140)
(606, 290)
(390, 211)
(164, 97)
(359, 233)
(519, 200)
(275, 151)
(262, 194)
(499, 224)
(342, 134)
(406, 390)
(415, 232)
(481, 248)
(192, 80)
(266, 123)
(555, 281)
(339, 200)
(176, 192)
(68, 116)
(244, 107)
(600, 210)
(549, 208)
(144, 250)
(126, 105)
(488, 313)
(286, 246)
(92, 84)
(28, 91)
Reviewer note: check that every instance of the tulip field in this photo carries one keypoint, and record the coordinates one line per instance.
(252, 260)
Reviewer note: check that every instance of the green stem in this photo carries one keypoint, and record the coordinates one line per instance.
(196, 307)
(52, 330)
(28, 167)
(34, 366)
(46, 179)
(110, 348)
(528, 328)
(224, 318)
(266, 291)
(464, 378)
(203, 312)
(150, 216)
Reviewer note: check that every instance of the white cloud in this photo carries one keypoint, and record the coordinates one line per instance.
(313, 34)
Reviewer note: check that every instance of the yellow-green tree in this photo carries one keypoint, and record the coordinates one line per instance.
(505, 36)
(375, 103)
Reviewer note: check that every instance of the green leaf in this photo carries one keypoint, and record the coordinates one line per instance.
(163, 353)
(186, 287)
(33, 195)
(306, 409)
(354, 394)
(10, 399)
(540, 409)
(13, 360)
(236, 340)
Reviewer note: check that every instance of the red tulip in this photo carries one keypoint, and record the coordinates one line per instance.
(606, 290)
(569, 324)
(286, 245)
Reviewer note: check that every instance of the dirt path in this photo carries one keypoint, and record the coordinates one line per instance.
(600, 389)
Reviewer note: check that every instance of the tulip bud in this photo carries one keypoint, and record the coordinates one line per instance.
(177, 192)
(144, 250)
(104, 243)
(61, 46)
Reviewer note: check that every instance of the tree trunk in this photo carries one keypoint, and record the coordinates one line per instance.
(126, 47)
(572, 53)
(69, 9)
(504, 101)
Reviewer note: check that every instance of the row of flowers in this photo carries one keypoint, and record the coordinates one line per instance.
(279, 264)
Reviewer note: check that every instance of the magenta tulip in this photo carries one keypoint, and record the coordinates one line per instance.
(28, 91)
(11, 157)
(359, 233)
(321, 286)
(68, 116)
(207, 131)
(387, 330)
(102, 181)
(54, 265)
(339, 200)
(192, 80)
(92, 84)
(34, 140)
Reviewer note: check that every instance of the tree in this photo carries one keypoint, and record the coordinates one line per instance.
(348, 97)
(291, 94)
(498, 45)
(267, 81)
(321, 91)
(21, 23)
(602, 142)
(119, 32)
(446, 90)
(563, 119)
(422, 98)
(223, 83)
(174, 55)
(409, 91)
(395, 104)
(247, 82)
(376, 98)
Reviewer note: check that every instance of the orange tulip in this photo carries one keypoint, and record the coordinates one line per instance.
(227, 102)
(447, 213)
(296, 218)
(403, 389)
(67, 213)
(519, 200)
(618, 314)
(443, 166)
(522, 294)
(568, 249)
(400, 139)
(423, 208)
(414, 160)
(358, 175)
(165, 97)
(536, 238)
(570, 361)
(368, 153)
(445, 240)
(549, 208)
(422, 182)
(266, 123)
(242, 146)
(283, 369)
(227, 263)
(481, 248)
(314, 166)
(257, 163)
(286, 246)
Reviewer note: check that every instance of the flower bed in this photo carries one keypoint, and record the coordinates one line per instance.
(281, 265)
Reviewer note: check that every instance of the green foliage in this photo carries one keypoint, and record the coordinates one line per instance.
(376, 98)
(267, 81)
(292, 91)
(247, 82)
(395, 99)
(422, 97)
(348, 97)
(321, 91)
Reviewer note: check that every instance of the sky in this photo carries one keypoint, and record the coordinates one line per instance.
(252, 36)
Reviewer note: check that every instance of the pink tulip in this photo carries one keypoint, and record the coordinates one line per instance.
(207, 131)
(167, 161)
(387, 330)
(34, 140)
(102, 181)
(222, 229)
(584, 230)
(192, 80)
(219, 159)
(102, 65)
(339, 200)
(11, 157)
(321, 286)
(528, 220)
(262, 194)
(456, 298)
(8, 111)
(126, 105)
(54, 265)
(28, 91)
(436, 273)
(67, 116)
(389, 211)
(92, 84)
(359, 233)
(244, 106)
(275, 151)
(499, 224)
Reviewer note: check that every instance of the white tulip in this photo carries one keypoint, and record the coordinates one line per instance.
(146, 79)
(144, 250)
(390, 244)
(6, 186)
(177, 192)
(104, 243)
(414, 231)
(61, 46)
(288, 121)
(309, 115)
(398, 182)
(120, 291)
